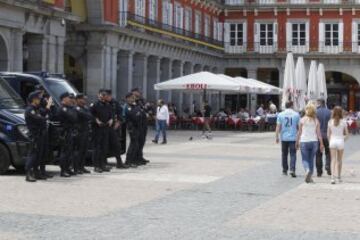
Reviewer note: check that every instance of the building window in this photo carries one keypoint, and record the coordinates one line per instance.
(167, 13)
(236, 34)
(153, 6)
(266, 34)
(331, 34)
(188, 19)
(298, 34)
(179, 16)
(198, 22)
(140, 8)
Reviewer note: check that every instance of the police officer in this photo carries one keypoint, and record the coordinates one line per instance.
(133, 117)
(115, 130)
(67, 115)
(83, 125)
(36, 124)
(46, 110)
(102, 112)
(140, 101)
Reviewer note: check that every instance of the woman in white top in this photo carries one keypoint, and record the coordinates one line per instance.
(308, 139)
(337, 134)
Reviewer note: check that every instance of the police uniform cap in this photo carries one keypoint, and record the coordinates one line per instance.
(71, 95)
(64, 95)
(39, 87)
(34, 95)
(80, 96)
(128, 95)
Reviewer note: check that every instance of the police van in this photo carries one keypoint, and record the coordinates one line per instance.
(20, 85)
(14, 135)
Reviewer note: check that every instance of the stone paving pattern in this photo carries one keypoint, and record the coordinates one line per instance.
(230, 187)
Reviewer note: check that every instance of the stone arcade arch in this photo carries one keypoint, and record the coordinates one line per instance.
(343, 90)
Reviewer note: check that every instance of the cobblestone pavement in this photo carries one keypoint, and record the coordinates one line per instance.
(230, 187)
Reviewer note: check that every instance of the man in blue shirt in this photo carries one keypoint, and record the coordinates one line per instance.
(287, 127)
(324, 115)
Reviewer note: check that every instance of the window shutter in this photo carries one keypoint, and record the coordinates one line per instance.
(354, 37)
(220, 31)
(165, 7)
(181, 17)
(245, 33)
(288, 36)
(321, 36)
(275, 36)
(171, 13)
(341, 36)
(257, 34)
(215, 27)
(307, 33)
(227, 33)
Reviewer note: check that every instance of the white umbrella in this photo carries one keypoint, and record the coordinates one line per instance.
(300, 84)
(201, 81)
(312, 93)
(321, 82)
(289, 79)
(245, 88)
(262, 88)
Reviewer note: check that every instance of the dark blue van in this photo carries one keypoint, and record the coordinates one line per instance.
(14, 135)
(18, 86)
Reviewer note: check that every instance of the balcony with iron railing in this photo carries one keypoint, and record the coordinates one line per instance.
(304, 48)
(151, 26)
(263, 3)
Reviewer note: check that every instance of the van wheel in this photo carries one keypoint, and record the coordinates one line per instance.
(4, 160)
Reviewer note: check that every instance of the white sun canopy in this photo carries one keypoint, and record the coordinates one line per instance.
(249, 85)
(199, 82)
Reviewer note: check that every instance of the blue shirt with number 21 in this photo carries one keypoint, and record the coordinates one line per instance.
(289, 121)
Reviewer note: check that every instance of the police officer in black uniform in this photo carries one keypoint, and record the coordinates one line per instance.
(133, 117)
(83, 125)
(36, 124)
(140, 101)
(102, 112)
(67, 116)
(115, 130)
(47, 110)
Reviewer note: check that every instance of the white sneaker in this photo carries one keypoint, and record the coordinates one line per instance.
(339, 180)
(332, 181)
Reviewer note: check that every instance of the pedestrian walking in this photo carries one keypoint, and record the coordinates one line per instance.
(36, 123)
(207, 117)
(286, 132)
(337, 134)
(162, 121)
(102, 112)
(309, 136)
(323, 114)
(83, 125)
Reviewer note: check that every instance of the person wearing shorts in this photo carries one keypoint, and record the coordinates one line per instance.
(337, 134)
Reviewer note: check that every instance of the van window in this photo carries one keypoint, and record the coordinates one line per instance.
(8, 97)
(22, 85)
(26, 87)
